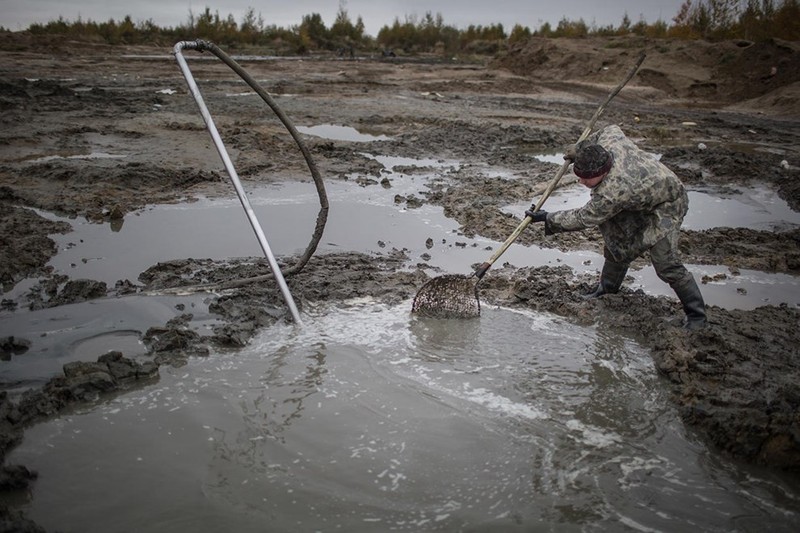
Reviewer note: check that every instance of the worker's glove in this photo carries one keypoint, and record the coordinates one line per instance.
(537, 216)
(570, 153)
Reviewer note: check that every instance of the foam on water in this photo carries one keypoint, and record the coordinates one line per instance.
(93, 155)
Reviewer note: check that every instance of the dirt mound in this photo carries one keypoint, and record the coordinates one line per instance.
(754, 70)
(782, 101)
(729, 72)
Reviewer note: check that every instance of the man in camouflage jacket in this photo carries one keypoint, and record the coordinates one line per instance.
(638, 204)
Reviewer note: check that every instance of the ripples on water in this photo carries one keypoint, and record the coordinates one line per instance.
(368, 419)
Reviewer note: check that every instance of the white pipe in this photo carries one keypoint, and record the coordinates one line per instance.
(226, 160)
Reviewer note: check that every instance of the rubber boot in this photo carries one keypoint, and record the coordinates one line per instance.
(693, 305)
(611, 279)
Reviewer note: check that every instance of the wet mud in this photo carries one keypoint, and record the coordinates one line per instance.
(98, 132)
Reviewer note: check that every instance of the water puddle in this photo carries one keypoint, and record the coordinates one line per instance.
(370, 219)
(361, 219)
(395, 164)
(85, 331)
(364, 219)
(556, 159)
(747, 289)
(756, 207)
(340, 133)
(370, 419)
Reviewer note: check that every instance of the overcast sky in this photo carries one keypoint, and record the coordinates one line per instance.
(19, 14)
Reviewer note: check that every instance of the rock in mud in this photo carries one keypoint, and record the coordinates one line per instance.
(80, 290)
(13, 346)
(12, 520)
(13, 477)
(81, 382)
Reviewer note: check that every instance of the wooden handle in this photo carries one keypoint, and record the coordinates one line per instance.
(550, 188)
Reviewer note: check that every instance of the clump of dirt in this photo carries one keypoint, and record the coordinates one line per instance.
(754, 70)
(743, 248)
(24, 243)
(100, 192)
(81, 383)
(722, 165)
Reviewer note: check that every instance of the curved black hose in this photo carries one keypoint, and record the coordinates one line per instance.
(322, 217)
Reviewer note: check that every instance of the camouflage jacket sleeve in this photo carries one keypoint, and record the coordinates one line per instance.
(639, 202)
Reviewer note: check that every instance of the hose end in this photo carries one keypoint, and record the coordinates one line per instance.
(482, 270)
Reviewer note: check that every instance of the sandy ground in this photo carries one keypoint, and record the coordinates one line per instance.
(737, 382)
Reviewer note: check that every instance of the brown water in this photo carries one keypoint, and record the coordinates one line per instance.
(369, 419)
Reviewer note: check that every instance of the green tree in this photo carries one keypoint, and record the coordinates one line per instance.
(640, 28)
(313, 33)
(750, 20)
(545, 30)
(428, 30)
(768, 9)
(657, 30)
(399, 35)
(787, 21)
(701, 20)
(723, 15)
(252, 27)
(519, 33)
(360, 28)
(343, 30)
(568, 28)
(625, 25)
(127, 30)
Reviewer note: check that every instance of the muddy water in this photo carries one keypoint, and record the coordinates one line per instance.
(83, 331)
(368, 219)
(362, 218)
(340, 133)
(369, 419)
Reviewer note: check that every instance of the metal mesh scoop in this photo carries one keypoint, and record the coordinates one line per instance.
(448, 296)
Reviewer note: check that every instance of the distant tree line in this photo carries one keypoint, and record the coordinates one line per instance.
(699, 19)
(754, 20)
